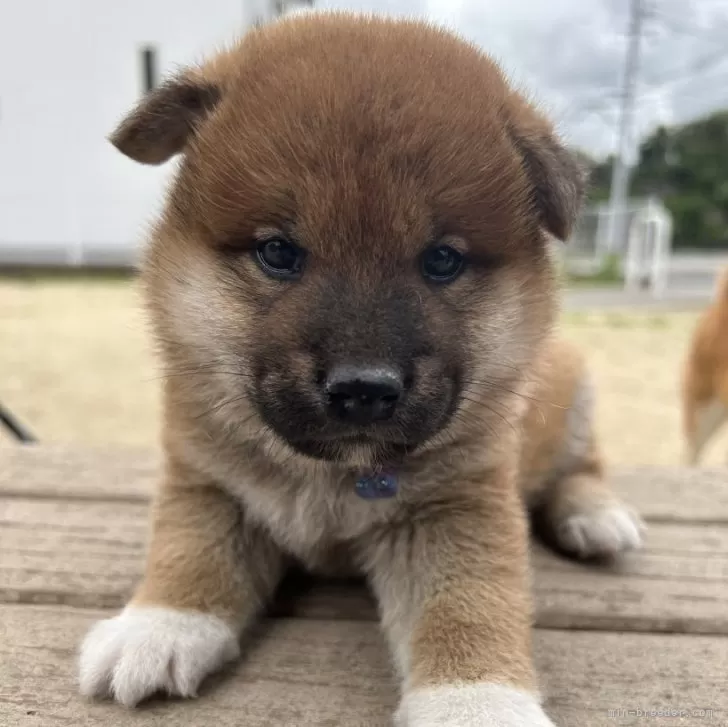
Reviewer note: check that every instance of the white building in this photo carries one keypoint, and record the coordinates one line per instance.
(69, 70)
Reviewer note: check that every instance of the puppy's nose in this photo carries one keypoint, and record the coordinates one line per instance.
(363, 394)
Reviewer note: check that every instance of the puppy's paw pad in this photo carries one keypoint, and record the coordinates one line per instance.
(471, 705)
(147, 650)
(603, 531)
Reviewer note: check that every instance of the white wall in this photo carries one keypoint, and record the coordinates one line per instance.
(69, 69)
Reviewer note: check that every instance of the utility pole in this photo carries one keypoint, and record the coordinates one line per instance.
(619, 188)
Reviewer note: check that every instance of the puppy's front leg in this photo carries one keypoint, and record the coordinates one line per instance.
(207, 573)
(454, 596)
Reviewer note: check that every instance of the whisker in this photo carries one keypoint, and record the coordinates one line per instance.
(499, 387)
(221, 405)
(214, 372)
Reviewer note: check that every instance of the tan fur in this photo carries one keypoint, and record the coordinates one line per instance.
(381, 136)
(562, 474)
(705, 381)
(559, 438)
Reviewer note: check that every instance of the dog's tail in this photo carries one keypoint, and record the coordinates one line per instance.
(722, 287)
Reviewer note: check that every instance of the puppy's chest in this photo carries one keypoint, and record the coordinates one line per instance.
(313, 519)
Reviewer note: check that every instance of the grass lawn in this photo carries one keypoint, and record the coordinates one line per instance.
(76, 366)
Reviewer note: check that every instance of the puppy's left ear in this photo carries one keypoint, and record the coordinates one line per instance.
(558, 179)
(165, 119)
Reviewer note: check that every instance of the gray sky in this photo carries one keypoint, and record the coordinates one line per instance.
(570, 54)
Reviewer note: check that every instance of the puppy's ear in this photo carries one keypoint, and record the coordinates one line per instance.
(161, 124)
(557, 177)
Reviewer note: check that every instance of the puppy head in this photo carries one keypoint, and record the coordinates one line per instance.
(354, 248)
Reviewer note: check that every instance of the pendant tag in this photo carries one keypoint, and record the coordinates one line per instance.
(377, 485)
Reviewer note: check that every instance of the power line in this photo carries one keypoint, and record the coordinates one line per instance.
(675, 80)
(659, 19)
(697, 68)
(672, 79)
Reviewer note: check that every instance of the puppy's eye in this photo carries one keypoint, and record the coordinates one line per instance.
(280, 258)
(442, 263)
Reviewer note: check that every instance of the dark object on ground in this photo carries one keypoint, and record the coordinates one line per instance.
(16, 429)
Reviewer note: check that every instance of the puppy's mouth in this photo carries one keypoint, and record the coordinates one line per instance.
(348, 447)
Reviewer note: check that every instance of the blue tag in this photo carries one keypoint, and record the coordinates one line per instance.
(376, 485)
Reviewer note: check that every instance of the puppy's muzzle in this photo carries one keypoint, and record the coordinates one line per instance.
(362, 395)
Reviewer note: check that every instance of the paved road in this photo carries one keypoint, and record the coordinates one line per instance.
(596, 298)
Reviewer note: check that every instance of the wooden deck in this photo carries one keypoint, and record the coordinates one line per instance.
(650, 634)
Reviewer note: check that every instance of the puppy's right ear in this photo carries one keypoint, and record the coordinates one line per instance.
(163, 121)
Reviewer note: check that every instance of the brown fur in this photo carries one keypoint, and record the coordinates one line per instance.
(561, 468)
(705, 381)
(372, 137)
(559, 376)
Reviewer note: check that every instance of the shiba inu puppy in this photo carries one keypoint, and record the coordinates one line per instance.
(351, 288)
(705, 382)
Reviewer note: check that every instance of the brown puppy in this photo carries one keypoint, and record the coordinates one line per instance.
(705, 382)
(349, 283)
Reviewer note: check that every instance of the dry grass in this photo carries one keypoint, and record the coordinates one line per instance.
(75, 365)
(636, 360)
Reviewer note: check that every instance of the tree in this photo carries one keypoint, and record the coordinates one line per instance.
(687, 167)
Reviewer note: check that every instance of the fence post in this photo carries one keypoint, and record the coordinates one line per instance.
(633, 253)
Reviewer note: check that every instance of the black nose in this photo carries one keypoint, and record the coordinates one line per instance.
(363, 394)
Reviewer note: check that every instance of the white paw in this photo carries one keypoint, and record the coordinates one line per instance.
(471, 705)
(145, 650)
(604, 531)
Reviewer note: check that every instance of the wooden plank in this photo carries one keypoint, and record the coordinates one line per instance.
(90, 553)
(128, 475)
(74, 552)
(681, 589)
(675, 494)
(99, 473)
(295, 673)
(678, 583)
(337, 673)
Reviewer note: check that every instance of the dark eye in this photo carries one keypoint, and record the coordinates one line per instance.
(442, 263)
(280, 258)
